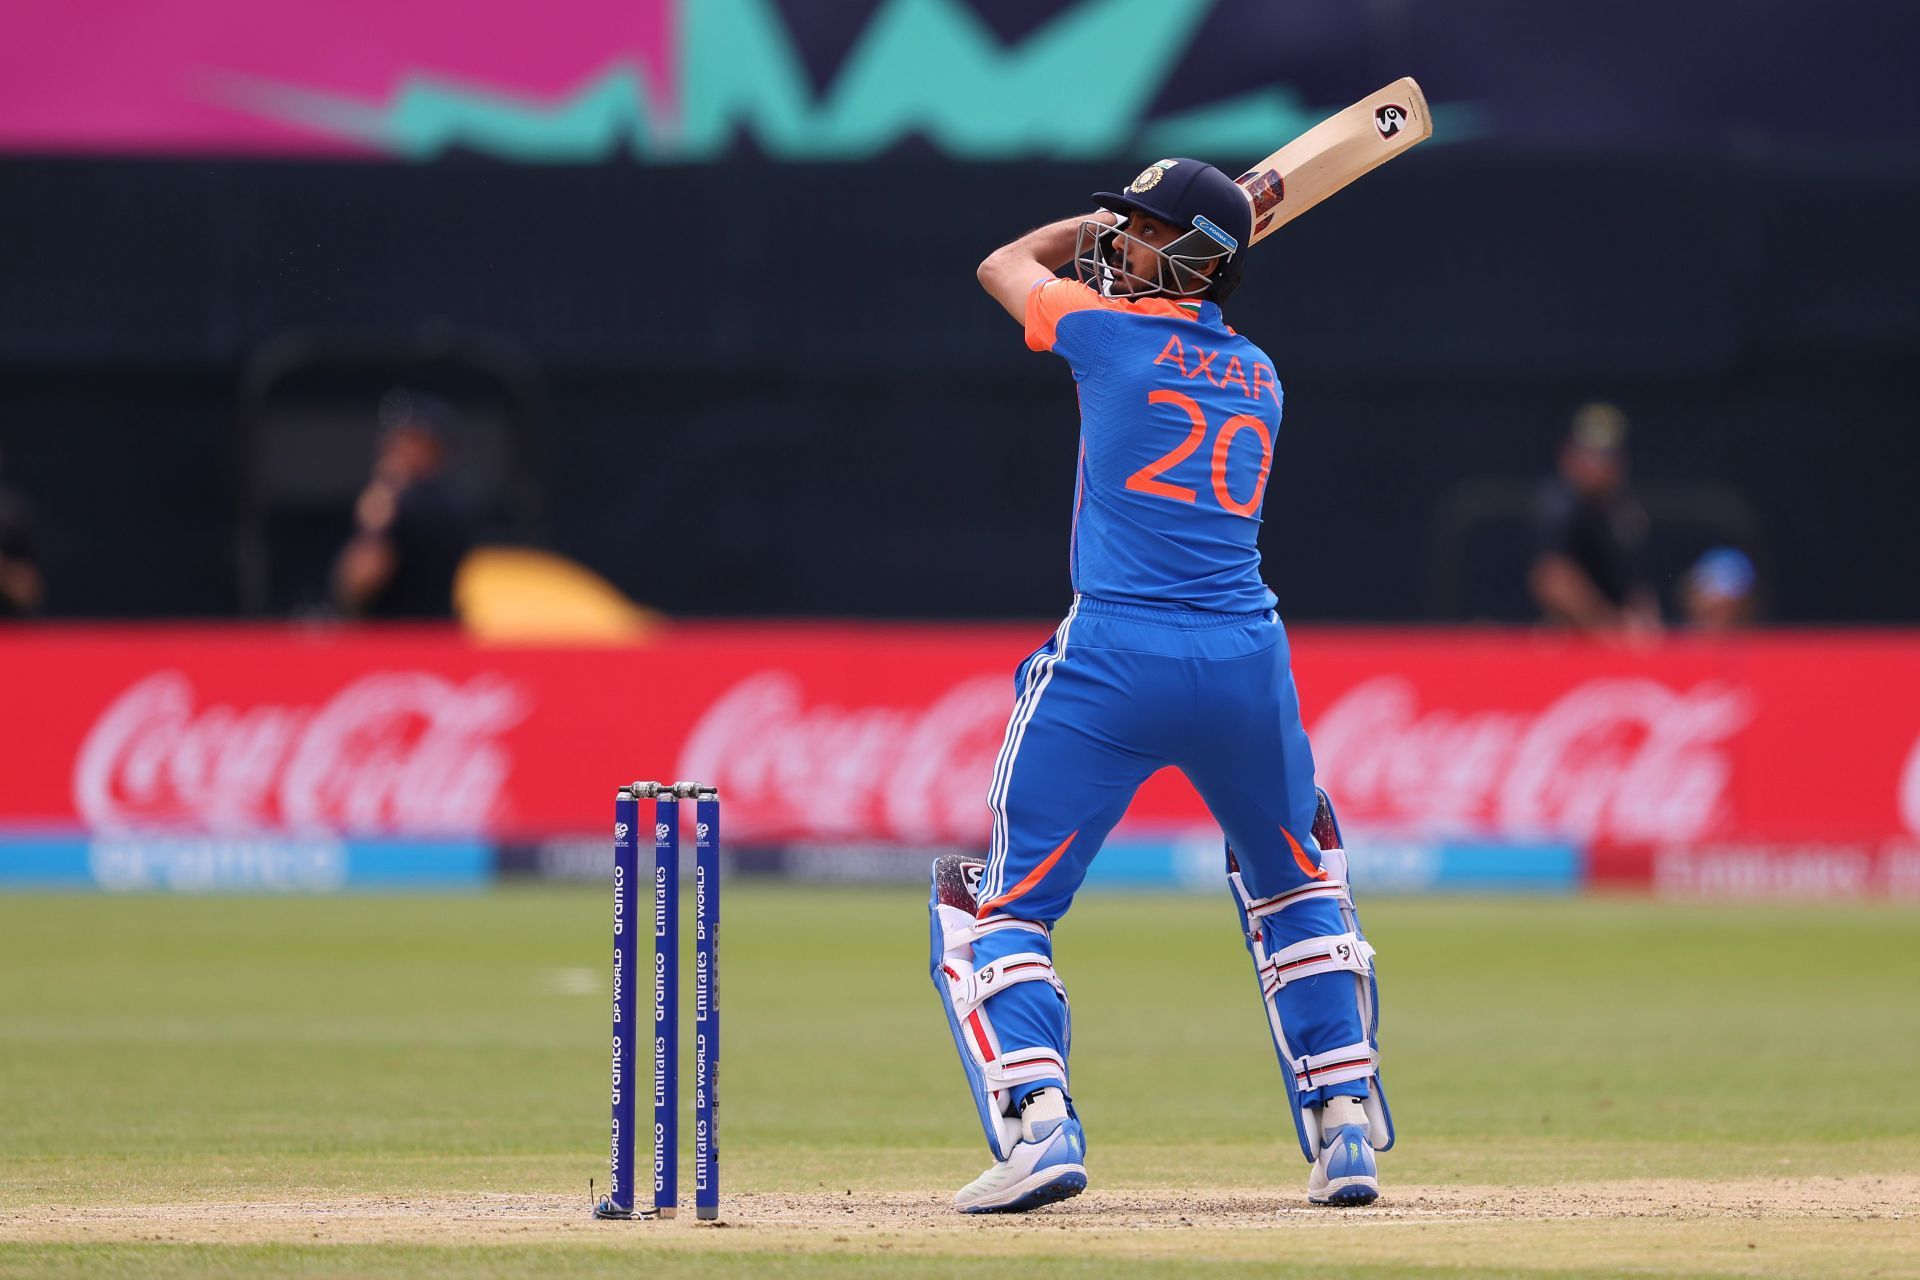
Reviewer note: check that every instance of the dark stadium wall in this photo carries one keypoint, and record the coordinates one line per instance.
(800, 384)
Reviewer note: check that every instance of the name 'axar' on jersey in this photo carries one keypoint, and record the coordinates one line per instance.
(1178, 415)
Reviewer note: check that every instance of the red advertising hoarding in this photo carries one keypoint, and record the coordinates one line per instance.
(1693, 764)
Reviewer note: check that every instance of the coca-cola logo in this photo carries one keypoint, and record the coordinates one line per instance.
(398, 752)
(1625, 758)
(915, 773)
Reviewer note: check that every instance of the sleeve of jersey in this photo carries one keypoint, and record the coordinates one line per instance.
(1062, 317)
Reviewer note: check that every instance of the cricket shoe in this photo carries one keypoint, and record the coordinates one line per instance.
(1344, 1173)
(1044, 1167)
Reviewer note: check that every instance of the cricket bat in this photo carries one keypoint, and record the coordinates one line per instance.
(1334, 152)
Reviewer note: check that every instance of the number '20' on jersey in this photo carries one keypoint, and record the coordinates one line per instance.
(1178, 415)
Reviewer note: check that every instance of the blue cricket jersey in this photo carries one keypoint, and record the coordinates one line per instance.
(1178, 415)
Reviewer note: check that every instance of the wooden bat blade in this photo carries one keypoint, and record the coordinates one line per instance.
(1344, 146)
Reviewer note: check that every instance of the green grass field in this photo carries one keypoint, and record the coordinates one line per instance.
(417, 1086)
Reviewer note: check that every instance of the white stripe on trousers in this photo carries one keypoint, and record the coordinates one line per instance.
(1016, 725)
(1038, 675)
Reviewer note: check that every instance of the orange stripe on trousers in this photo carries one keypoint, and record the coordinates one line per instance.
(1300, 856)
(1033, 878)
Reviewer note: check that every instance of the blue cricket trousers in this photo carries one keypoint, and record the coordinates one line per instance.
(1119, 692)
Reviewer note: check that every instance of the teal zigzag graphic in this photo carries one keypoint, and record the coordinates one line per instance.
(1077, 87)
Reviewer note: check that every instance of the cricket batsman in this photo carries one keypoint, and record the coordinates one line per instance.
(1172, 654)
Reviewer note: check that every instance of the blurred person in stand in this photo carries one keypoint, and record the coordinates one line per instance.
(410, 530)
(20, 583)
(1590, 532)
(1717, 593)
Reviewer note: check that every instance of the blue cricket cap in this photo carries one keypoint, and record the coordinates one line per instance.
(1188, 193)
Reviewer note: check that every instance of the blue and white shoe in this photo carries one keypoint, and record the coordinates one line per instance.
(1045, 1167)
(1344, 1173)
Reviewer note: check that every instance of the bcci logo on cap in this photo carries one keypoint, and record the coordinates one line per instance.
(1150, 176)
(1389, 119)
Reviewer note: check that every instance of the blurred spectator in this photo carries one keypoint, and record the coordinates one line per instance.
(1717, 593)
(20, 584)
(1590, 532)
(411, 531)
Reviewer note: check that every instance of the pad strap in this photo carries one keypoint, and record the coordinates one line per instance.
(1336, 1066)
(1261, 908)
(971, 986)
(1016, 1066)
(1334, 953)
(962, 930)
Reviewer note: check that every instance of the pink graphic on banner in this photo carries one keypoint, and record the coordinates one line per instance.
(187, 75)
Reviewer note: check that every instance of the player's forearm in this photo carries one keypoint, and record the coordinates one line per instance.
(363, 569)
(1012, 269)
(1052, 245)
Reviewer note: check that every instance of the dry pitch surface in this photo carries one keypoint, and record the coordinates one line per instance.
(1867, 1226)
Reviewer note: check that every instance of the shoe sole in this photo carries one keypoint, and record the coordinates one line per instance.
(1347, 1192)
(1048, 1186)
